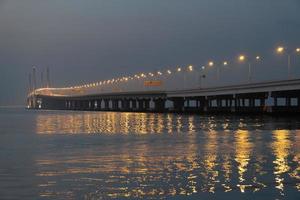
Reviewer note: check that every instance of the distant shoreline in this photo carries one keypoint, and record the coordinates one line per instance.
(13, 106)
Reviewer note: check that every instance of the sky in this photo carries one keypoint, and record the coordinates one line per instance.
(82, 41)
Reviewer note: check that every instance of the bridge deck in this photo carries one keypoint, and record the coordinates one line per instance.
(254, 97)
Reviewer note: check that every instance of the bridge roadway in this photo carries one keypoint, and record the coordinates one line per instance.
(264, 97)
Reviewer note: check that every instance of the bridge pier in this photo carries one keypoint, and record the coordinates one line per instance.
(178, 103)
(97, 104)
(133, 104)
(220, 103)
(141, 104)
(106, 104)
(147, 104)
(79, 105)
(283, 101)
(125, 104)
(115, 104)
(84, 105)
(159, 105)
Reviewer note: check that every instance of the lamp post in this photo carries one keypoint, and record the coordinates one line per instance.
(190, 68)
(218, 67)
(243, 58)
(282, 50)
(201, 76)
(178, 70)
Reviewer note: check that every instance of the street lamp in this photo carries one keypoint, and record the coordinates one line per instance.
(190, 68)
(201, 76)
(211, 64)
(282, 50)
(243, 58)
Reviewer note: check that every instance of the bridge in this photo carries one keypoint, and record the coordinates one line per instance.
(263, 97)
(149, 92)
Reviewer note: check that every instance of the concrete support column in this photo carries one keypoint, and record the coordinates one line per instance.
(219, 103)
(89, 105)
(188, 103)
(262, 102)
(178, 104)
(98, 102)
(106, 104)
(115, 104)
(159, 105)
(275, 101)
(133, 104)
(209, 103)
(147, 104)
(288, 101)
(205, 104)
(125, 104)
(141, 104)
(251, 102)
(81, 105)
(86, 105)
(128, 104)
(76, 105)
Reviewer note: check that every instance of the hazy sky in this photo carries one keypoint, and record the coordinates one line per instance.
(97, 39)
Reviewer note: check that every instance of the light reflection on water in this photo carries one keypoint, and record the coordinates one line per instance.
(194, 155)
(139, 155)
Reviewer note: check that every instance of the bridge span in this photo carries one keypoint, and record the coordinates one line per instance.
(264, 97)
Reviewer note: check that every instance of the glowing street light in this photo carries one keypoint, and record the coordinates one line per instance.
(210, 63)
(282, 50)
(179, 69)
(190, 68)
(142, 75)
(243, 58)
(169, 71)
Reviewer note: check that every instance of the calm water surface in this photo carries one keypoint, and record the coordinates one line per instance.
(106, 155)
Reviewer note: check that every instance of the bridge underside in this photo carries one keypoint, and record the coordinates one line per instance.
(287, 101)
